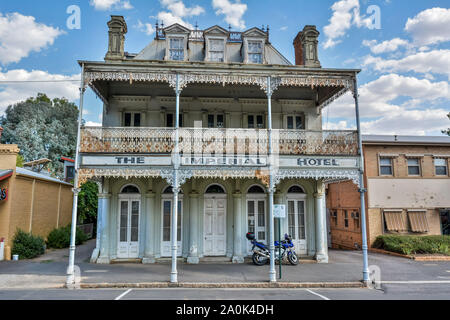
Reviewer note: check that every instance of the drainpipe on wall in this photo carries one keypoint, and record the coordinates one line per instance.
(361, 190)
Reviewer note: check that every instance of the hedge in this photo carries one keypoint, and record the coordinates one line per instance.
(60, 238)
(26, 245)
(414, 244)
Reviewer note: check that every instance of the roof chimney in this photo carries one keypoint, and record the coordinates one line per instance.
(117, 30)
(306, 47)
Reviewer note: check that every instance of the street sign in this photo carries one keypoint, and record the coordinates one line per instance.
(279, 211)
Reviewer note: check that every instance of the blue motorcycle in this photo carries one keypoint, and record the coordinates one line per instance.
(261, 252)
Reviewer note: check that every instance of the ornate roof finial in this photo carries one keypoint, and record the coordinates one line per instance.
(229, 27)
(196, 25)
(162, 24)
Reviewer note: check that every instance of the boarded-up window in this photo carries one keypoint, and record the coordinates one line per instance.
(418, 221)
(394, 221)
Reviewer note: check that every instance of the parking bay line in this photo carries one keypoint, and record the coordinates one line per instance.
(123, 294)
(417, 282)
(319, 295)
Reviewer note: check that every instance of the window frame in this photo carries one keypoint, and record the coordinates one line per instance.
(380, 165)
(294, 121)
(444, 166)
(132, 119)
(248, 41)
(419, 166)
(255, 120)
(173, 119)
(182, 49)
(215, 116)
(209, 50)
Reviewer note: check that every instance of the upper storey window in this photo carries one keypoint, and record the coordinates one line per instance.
(176, 50)
(216, 50)
(255, 51)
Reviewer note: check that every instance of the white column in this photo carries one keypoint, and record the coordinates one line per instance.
(272, 272)
(76, 189)
(104, 256)
(101, 198)
(320, 215)
(149, 255)
(238, 256)
(193, 228)
(175, 186)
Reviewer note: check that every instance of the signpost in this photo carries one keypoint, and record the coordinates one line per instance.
(279, 212)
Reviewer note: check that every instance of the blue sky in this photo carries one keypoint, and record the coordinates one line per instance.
(406, 61)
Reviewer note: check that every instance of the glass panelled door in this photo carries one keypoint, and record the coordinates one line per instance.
(167, 227)
(257, 220)
(296, 224)
(215, 227)
(129, 213)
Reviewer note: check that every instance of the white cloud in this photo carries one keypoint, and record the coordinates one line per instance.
(435, 62)
(145, 27)
(105, 5)
(233, 12)
(381, 113)
(92, 124)
(20, 35)
(178, 12)
(430, 26)
(346, 13)
(385, 46)
(14, 92)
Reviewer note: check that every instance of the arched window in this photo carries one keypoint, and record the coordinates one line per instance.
(215, 188)
(169, 190)
(296, 189)
(130, 189)
(255, 189)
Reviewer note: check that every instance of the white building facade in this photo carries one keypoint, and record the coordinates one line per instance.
(203, 131)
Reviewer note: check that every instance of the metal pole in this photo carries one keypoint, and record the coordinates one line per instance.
(272, 272)
(362, 190)
(175, 187)
(70, 268)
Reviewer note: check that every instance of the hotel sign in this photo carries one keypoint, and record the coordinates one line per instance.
(124, 160)
(318, 162)
(224, 161)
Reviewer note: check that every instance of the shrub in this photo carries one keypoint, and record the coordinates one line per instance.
(27, 246)
(60, 238)
(413, 244)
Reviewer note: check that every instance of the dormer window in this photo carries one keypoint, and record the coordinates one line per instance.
(216, 50)
(255, 50)
(176, 50)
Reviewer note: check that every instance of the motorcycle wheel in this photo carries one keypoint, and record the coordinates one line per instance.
(292, 257)
(259, 260)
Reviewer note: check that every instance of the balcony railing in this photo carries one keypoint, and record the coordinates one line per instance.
(213, 141)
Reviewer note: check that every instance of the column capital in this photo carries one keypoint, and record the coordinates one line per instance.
(319, 194)
(194, 194)
(237, 194)
(104, 195)
(150, 194)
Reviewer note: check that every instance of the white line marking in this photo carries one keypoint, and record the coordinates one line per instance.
(123, 294)
(417, 282)
(319, 295)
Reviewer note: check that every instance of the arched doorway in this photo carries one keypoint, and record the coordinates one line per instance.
(215, 221)
(296, 214)
(166, 218)
(256, 214)
(128, 222)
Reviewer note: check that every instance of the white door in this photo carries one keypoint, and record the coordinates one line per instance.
(257, 220)
(166, 208)
(214, 222)
(129, 213)
(296, 224)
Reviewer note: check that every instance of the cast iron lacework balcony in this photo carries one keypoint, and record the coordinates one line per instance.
(209, 141)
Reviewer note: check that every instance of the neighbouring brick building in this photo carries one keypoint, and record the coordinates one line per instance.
(30, 201)
(408, 191)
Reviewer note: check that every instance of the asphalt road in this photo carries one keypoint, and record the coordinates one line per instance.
(404, 291)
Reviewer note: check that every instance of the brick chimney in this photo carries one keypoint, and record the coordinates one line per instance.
(298, 47)
(116, 41)
(306, 47)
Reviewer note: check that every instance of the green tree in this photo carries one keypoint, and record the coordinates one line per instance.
(19, 161)
(88, 203)
(42, 128)
(447, 132)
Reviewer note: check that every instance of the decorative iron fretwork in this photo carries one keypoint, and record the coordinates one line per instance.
(218, 141)
(312, 80)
